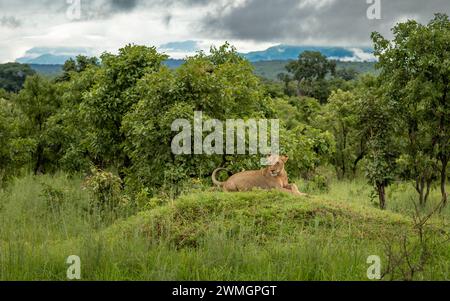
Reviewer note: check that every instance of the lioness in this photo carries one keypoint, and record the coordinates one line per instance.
(272, 177)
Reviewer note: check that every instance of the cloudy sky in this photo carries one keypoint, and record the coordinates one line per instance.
(106, 25)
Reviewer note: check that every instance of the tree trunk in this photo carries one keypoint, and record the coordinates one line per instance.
(427, 194)
(124, 166)
(361, 155)
(420, 188)
(382, 195)
(39, 167)
(338, 171)
(444, 143)
(444, 160)
(286, 87)
(423, 188)
(355, 164)
(344, 146)
(299, 87)
(344, 171)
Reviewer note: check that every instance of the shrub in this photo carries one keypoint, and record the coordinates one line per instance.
(54, 197)
(220, 85)
(106, 189)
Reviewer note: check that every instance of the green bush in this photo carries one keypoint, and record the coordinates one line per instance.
(54, 197)
(108, 199)
(307, 148)
(221, 85)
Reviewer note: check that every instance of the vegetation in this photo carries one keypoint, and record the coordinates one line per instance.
(86, 167)
(419, 86)
(206, 235)
(271, 69)
(13, 75)
(268, 70)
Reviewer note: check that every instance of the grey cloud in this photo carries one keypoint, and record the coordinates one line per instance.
(108, 8)
(104, 9)
(339, 21)
(90, 9)
(10, 21)
(167, 19)
(123, 5)
(179, 2)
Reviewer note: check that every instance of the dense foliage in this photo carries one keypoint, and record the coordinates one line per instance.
(13, 75)
(116, 113)
(416, 81)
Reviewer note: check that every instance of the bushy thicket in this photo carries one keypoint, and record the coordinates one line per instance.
(116, 114)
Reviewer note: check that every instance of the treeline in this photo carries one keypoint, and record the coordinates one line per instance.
(13, 75)
(118, 115)
(116, 112)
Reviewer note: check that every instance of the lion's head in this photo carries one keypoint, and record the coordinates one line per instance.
(276, 164)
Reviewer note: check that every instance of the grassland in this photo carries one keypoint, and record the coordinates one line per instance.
(205, 234)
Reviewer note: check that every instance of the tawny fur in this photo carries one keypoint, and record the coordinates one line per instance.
(271, 177)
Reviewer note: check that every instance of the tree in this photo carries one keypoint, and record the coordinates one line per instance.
(16, 147)
(310, 68)
(307, 148)
(414, 68)
(302, 138)
(13, 75)
(4, 94)
(220, 85)
(376, 120)
(286, 80)
(289, 115)
(308, 108)
(111, 97)
(5, 138)
(77, 65)
(68, 127)
(38, 101)
(340, 117)
(347, 74)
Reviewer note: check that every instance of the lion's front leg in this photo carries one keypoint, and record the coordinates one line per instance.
(292, 188)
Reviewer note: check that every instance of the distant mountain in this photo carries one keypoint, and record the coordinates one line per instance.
(45, 59)
(268, 63)
(52, 56)
(182, 46)
(173, 64)
(58, 55)
(287, 52)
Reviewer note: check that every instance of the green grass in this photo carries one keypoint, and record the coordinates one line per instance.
(400, 195)
(257, 235)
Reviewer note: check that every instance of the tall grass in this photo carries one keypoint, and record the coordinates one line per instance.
(200, 236)
(401, 196)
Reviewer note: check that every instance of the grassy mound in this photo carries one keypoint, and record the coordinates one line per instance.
(257, 217)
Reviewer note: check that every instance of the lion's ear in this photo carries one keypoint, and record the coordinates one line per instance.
(285, 158)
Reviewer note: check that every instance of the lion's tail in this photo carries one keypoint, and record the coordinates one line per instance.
(213, 177)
